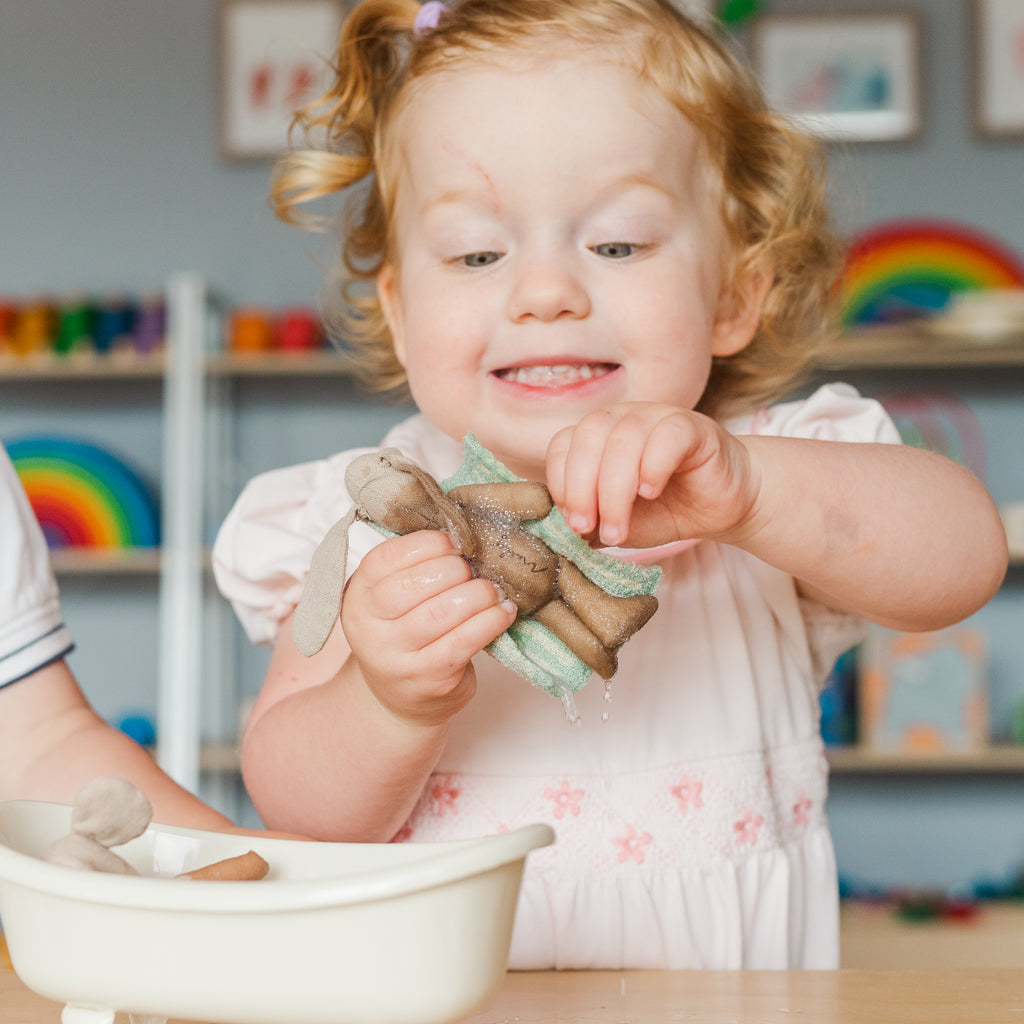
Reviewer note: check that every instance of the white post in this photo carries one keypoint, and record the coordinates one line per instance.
(181, 584)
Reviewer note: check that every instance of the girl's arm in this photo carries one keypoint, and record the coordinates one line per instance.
(52, 743)
(902, 536)
(340, 745)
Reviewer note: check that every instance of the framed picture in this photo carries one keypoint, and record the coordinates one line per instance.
(274, 59)
(997, 68)
(853, 76)
(923, 693)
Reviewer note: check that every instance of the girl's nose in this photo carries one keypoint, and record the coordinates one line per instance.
(548, 292)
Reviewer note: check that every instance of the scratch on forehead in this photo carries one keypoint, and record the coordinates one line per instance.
(485, 193)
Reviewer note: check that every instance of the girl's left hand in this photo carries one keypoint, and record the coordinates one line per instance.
(640, 475)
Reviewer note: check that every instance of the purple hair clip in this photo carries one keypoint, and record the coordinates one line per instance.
(428, 17)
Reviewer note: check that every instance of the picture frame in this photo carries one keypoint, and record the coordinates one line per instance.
(997, 68)
(274, 59)
(850, 76)
(923, 693)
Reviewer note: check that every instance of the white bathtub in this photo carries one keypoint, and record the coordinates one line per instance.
(337, 932)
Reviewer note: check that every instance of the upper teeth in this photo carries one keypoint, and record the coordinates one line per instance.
(552, 376)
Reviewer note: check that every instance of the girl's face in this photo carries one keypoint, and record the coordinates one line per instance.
(558, 248)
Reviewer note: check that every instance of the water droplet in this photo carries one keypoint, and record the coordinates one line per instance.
(565, 694)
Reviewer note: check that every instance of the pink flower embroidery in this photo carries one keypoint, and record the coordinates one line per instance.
(404, 834)
(801, 810)
(565, 799)
(747, 828)
(688, 793)
(444, 797)
(631, 845)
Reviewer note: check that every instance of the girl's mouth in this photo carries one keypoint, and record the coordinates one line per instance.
(558, 375)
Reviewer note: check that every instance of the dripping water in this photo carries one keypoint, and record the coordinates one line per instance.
(607, 698)
(565, 695)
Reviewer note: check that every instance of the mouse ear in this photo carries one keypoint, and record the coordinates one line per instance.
(320, 604)
(111, 811)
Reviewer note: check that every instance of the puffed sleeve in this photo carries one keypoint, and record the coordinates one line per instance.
(32, 629)
(262, 552)
(834, 412)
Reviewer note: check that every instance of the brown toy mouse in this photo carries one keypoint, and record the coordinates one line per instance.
(485, 522)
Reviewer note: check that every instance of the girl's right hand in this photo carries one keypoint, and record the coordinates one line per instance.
(414, 615)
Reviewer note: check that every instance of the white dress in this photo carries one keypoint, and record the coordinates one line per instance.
(689, 800)
(32, 629)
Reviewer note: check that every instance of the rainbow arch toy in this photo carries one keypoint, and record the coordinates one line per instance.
(83, 495)
(904, 269)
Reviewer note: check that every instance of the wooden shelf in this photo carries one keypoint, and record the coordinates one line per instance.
(105, 561)
(994, 760)
(324, 362)
(48, 367)
(111, 561)
(219, 759)
(998, 760)
(874, 937)
(908, 347)
(863, 349)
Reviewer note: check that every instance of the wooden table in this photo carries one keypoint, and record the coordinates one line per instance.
(704, 997)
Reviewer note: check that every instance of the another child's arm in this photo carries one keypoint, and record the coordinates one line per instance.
(52, 743)
(340, 745)
(902, 536)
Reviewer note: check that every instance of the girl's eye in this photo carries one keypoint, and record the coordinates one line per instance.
(615, 250)
(479, 259)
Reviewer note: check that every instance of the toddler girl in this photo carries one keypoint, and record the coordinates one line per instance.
(595, 249)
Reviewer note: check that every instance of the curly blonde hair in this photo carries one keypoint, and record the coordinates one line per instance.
(772, 176)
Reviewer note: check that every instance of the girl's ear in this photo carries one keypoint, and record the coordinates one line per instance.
(739, 311)
(391, 307)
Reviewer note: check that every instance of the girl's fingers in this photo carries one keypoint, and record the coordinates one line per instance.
(452, 612)
(404, 553)
(554, 469)
(398, 593)
(619, 477)
(668, 448)
(579, 457)
(454, 648)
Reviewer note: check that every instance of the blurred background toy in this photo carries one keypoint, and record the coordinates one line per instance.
(84, 495)
(253, 329)
(910, 269)
(79, 326)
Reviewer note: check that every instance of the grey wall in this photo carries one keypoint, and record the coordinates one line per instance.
(110, 179)
(109, 170)
(111, 176)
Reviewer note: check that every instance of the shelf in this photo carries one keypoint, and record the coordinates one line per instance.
(889, 347)
(219, 759)
(324, 362)
(994, 760)
(998, 760)
(48, 367)
(105, 561)
(874, 937)
(863, 349)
